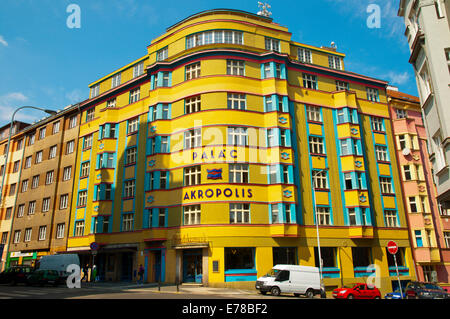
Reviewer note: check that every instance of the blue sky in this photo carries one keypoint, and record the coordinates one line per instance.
(44, 63)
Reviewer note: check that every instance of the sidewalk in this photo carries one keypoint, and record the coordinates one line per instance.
(166, 288)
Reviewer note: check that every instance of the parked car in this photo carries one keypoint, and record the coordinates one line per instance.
(298, 280)
(395, 294)
(15, 275)
(58, 262)
(42, 277)
(425, 290)
(357, 291)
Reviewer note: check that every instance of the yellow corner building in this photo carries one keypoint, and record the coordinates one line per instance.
(205, 159)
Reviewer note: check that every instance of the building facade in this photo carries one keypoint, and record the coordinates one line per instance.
(429, 230)
(428, 34)
(9, 176)
(44, 188)
(204, 161)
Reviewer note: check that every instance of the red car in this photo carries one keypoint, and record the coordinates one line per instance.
(357, 291)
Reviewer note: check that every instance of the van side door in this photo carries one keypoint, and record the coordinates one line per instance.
(283, 281)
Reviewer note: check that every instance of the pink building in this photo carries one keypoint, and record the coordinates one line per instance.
(429, 225)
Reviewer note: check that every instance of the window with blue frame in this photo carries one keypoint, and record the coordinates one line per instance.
(106, 160)
(161, 79)
(418, 236)
(107, 130)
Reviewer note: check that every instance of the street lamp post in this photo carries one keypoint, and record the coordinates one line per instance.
(51, 112)
(317, 220)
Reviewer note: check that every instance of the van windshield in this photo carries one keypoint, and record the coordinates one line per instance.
(273, 273)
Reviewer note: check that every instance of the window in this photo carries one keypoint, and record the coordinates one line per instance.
(236, 101)
(79, 228)
(63, 201)
(12, 189)
(87, 141)
(304, 55)
(316, 145)
(439, 151)
(131, 155)
(67, 173)
(133, 125)
(16, 166)
(135, 95)
(31, 207)
(31, 139)
(85, 169)
(352, 216)
(60, 230)
(278, 70)
(4, 238)
(238, 173)
(70, 147)
(115, 80)
(344, 147)
(127, 222)
(342, 86)
(372, 94)
(27, 162)
(90, 114)
(239, 258)
(309, 81)
(138, 69)
(38, 158)
(82, 198)
(129, 188)
(162, 54)
(46, 204)
(35, 181)
(272, 44)
(42, 133)
(192, 71)
(105, 224)
(20, 210)
(192, 175)
(52, 152)
(377, 124)
(386, 185)
(24, 185)
(166, 79)
(111, 103)
(361, 256)
(407, 172)
(313, 113)
(192, 104)
(418, 236)
(20, 144)
(381, 153)
(447, 239)
(235, 67)
(192, 214)
(49, 178)
(164, 144)
(328, 255)
(424, 204)
(239, 213)
(390, 218)
(274, 213)
(8, 213)
(95, 90)
(286, 179)
(162, 217)
(72, 121)
(334, 62)
(400, 113)
(215, 36)
(193, 138)
(237, 136)
(323, 215)
(412, 204)
(27, 235)
(16, 236)
(348, 181)
(320, 179)
(163, 179)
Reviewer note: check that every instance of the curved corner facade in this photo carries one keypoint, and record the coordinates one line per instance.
(204, 159)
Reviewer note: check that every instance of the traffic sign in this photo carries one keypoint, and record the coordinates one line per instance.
(94, 246)
(392, 247)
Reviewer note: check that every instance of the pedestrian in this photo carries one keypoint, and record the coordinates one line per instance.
(85, 271)
(94, 273)
(141, 274)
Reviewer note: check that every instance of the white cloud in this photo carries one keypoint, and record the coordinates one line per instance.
(3, 41)
(9, 103)
(398, 78)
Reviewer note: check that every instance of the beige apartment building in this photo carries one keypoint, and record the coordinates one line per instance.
(44, 194)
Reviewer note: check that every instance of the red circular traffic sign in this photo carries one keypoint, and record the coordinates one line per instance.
(392, 247)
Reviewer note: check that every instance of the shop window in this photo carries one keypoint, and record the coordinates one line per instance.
(239, 258)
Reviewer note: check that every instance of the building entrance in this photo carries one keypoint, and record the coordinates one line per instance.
(192, 265)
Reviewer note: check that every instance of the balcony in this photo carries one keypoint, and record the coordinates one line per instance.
(360, 232)
(284, 230)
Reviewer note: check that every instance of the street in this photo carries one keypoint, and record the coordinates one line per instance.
(129, 291)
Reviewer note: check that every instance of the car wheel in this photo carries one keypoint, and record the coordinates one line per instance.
(309, 293)
(377, 297)
(350, 296)
(275, 291)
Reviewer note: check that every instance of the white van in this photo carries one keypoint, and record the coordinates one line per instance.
(298, 280)
(58, 262)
